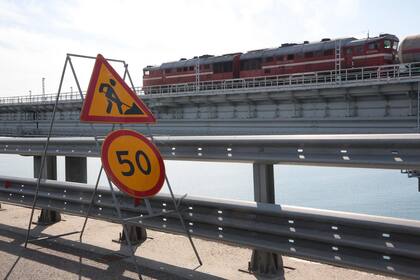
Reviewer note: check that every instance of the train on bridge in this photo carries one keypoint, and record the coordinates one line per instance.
(288, 59)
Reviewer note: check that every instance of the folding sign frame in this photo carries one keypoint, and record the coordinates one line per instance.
(114, 197)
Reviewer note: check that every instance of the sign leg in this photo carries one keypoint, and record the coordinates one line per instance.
(183, 222)
(126, 234)
(44, 154)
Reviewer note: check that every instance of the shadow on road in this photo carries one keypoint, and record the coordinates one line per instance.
(84, 260)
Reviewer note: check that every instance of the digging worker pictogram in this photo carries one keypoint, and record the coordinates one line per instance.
(113, 98)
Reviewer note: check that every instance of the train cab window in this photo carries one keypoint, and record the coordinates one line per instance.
(146, 72)
(387, 44)
(373, 46)
(309, 54)
(395, 45)
(290, 56)
(359, 49)
(349, 51)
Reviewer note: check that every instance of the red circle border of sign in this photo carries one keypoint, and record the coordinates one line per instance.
(104, 156)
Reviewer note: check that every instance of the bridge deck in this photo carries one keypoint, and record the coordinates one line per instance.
(166, 256)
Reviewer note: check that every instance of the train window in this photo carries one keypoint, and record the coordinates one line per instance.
(309, 54)
(329, 52)
(191, 68)
(146, 72)
(178, 69)
(269, 59)
(251, 64)
(395, 45)
(185, 69)
(359, 49)
(290, 56)
(372, 46)
(349, 51)
(222, 67)
(280, 58)
(387, 44)
(167, 71)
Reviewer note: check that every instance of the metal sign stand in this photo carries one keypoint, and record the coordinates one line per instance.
(92, 199)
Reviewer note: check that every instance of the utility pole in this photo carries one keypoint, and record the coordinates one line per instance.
(43, 87)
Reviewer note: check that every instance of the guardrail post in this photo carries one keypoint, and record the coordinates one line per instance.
(262, 262)
(47, 216)
(76, 169)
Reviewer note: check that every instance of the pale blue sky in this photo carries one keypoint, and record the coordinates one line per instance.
(36, 35)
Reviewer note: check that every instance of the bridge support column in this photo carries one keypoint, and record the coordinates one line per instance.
(263, 262)
(47, 217)
(76, 169)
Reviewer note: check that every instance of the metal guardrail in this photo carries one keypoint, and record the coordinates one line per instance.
(395, 151)
(385, 73)
(385, 245)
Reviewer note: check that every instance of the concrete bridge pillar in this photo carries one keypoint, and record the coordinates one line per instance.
(265, 263)
(76, 169)
(47, 217)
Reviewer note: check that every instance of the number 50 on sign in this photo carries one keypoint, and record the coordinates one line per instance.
(133, 163)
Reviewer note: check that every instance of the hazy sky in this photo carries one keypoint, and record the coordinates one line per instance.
(36, 35)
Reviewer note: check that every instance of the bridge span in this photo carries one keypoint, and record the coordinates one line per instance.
(357, 101)
(357, 119)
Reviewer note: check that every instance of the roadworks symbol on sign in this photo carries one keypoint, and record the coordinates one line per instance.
(110, 100)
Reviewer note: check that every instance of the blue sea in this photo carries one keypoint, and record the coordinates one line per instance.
(368, 191)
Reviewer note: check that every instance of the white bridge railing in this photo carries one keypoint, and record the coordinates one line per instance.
(307, 80)
(310, 79)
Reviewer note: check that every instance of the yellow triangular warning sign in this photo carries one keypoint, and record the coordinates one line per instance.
(110, 100)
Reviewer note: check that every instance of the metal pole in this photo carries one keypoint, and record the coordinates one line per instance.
(91, 203)
(43, 87)
(97, 147)
(182, 221)
(77, 80)
(418, 107)
(125, 230)
(181, 218)
(94, 57)
(41, 169)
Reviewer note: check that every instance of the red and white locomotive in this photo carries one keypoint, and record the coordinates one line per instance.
(286, 59)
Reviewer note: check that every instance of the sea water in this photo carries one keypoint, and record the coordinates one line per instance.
(368, 191)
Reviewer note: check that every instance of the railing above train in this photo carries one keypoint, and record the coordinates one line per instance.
(350, 76)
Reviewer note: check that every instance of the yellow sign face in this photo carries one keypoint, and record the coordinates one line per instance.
(110, 99)
(133, 163)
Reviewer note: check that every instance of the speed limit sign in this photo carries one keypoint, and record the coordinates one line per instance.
(133, 163)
